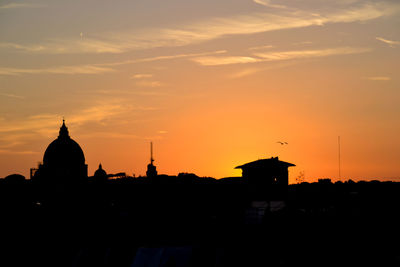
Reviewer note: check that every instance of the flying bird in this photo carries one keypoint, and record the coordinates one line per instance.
(282, 143)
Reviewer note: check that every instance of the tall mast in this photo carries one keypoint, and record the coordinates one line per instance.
(339, 155)
(151, 169)
(151, 153)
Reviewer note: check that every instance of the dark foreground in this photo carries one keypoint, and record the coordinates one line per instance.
(198, 222)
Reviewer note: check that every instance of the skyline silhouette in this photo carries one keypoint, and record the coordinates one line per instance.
(64, 161)
(70, 151)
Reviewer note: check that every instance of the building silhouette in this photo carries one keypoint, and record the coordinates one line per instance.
(270, 172)
(151, 169)
(63, 161)
(100, 174)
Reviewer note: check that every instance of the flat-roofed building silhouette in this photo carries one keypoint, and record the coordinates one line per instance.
(270, 171)
(268, 182)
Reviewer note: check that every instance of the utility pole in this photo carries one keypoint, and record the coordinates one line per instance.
(339, 156)
(151, 153)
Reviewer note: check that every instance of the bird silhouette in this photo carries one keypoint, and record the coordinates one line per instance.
(282, 143)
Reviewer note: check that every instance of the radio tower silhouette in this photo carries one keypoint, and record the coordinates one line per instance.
(151, 169)
(339, 156)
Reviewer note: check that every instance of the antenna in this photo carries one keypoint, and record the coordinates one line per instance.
(151, 169)
(151, 153)
(339, 155)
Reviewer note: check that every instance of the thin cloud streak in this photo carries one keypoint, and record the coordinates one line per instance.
(20, 5)
(111, 135)
(214, 61)
(142, 76)
(275, 56)
(157, 58)
(378, 78)
(71, 70)
(268, 3)
(149, 84)
(71, 46)
(99, 68)
(244, 73)
(262, 47)
(26, 48)
(27, 152)
(135, 92)
(250, 71)
(12, 96)
(389, 42)
(45, 123)
(279, 56)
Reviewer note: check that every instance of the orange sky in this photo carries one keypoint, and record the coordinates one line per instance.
(213, 85)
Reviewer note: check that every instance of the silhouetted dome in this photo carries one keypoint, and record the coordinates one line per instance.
(63, 151)
(15, 178)
(63, 160)
(100, 172)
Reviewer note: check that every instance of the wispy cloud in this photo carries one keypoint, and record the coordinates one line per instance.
(26, 152)
(245, 72)
(261, 47)
(100, 111)
(9, 144)
(135, 92)
(209, 29)
(142, 76)
(378, 78)
(73, 45)
(20, 5)
(303, 43)
(27, 48)
(12, 96)
(250, 71)
(279, 56)
(14, 140)
(113, 135)
(391, 43)
(149, 84)
(157, 58)
(101, 68)
(79, 69)
(264, 22)
(286, 55)
(214, 61)
(45, 123)
(268, 3)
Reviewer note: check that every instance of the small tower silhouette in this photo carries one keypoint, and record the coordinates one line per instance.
(100, 174)
(151, 169)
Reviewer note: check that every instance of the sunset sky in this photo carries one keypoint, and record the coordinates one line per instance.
(214, 84)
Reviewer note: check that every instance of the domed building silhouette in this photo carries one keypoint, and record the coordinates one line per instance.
(63, 160)
(100, 174)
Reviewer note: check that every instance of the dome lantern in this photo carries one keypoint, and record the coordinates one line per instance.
(63, 131)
